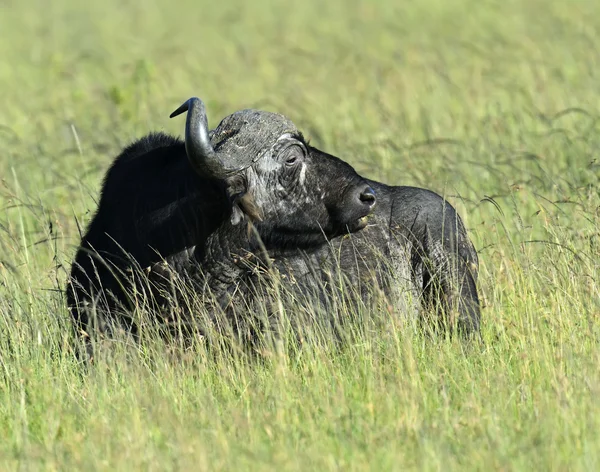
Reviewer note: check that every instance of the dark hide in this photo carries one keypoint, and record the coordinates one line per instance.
(285, 204)
(154, 207)
(415, 249)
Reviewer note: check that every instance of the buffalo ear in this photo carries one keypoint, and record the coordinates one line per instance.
(237, 215)
(242, 201)
(243, 207)
(237, 185)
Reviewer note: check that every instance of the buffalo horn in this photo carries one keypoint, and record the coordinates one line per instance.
(200, 152)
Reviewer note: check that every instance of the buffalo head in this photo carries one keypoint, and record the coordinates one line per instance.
(293, 193)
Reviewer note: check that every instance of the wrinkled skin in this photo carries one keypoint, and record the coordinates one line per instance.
(304, 194)
(415, 250)
(154, 207)
(303, 211)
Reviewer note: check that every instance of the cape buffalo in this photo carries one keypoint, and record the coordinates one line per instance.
(201, 208)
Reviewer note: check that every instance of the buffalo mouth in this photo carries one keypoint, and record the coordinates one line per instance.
(357, 225)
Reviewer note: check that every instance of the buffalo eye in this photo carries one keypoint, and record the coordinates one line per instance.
(293, 155)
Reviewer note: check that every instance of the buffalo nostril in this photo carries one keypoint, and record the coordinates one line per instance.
(368, 196)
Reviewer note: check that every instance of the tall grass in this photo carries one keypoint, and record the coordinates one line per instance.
(492, 104)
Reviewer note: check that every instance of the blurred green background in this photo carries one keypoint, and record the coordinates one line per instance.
(494, 104)
(465, 98)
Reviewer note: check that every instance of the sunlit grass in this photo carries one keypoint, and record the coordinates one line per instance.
(492, 104)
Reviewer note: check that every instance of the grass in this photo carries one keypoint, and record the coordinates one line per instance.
(493, 104)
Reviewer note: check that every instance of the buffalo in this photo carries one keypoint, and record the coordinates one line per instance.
(253, 192)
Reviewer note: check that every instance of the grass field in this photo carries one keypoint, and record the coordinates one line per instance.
(494, 104)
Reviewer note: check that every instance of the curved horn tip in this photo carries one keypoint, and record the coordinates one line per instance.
(185, 106)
